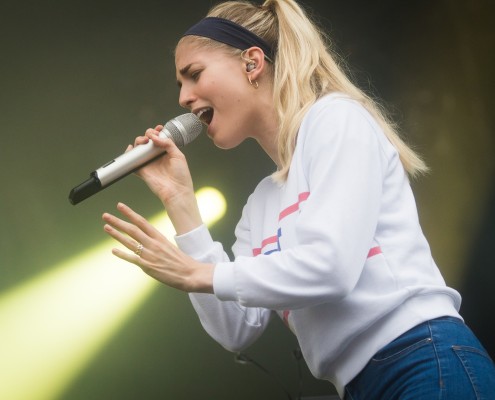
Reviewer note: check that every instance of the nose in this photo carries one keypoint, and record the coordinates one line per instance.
(186, 97)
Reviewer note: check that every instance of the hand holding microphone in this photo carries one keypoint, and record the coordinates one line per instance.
(182, 130)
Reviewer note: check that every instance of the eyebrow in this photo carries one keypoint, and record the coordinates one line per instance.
(183, 71)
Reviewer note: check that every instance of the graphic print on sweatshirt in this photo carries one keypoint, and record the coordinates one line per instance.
(271, 244)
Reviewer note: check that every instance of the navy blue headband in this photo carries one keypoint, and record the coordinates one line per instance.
(228, 32)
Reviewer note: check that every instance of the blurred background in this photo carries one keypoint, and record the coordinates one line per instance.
(81, 79)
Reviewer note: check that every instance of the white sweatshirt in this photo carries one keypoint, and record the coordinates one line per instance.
(337, 250)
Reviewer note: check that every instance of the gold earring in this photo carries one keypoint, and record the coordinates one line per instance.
(253, 84)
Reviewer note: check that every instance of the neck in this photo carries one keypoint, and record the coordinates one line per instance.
(270, 146)
(267, 128)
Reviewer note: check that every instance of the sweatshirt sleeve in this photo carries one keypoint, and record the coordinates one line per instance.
(232, 325)
(341, 158)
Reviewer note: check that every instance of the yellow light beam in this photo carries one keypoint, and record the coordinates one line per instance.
(51, 327)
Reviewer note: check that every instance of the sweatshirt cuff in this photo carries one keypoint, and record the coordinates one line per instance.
(195, 243)
(224, 281)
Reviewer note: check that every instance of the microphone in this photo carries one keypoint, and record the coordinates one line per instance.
(182, 130)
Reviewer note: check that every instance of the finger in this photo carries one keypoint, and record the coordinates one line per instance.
(136, 260)
(141, 140)
(128, 242)
(122, 230)
(152, 132)
(138, 221)
(166, 144)
(129, 257)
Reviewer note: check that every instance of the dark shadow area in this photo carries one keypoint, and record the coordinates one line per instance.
(478, 285)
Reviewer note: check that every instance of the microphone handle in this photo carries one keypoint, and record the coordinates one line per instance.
(128, 162)
(117, 169)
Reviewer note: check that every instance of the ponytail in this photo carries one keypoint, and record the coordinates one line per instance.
(305, 69)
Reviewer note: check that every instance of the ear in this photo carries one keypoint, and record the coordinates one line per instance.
(254, 61)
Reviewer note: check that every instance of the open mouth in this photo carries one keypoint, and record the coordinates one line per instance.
(205, 115)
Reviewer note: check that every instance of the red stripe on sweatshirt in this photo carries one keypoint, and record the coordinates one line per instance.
(294, 207)
(374, 251)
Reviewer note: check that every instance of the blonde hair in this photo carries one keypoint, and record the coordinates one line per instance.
(305, 69)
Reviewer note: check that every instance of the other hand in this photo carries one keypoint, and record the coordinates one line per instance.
(155, 254)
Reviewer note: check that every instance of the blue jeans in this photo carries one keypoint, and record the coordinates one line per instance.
(439, 359)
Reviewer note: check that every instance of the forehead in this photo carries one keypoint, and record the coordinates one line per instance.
(187, 49)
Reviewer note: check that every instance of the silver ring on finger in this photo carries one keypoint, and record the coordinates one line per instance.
(139, 249)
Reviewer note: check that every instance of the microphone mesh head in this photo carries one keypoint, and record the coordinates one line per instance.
(183, 129)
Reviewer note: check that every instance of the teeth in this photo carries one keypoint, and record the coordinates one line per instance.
(202, 111)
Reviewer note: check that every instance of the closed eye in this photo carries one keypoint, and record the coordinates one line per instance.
(186, 72)
(195, 75)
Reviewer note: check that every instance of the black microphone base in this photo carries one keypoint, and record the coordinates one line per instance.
(85, 190)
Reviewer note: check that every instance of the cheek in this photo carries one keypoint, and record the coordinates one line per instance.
(230, 89)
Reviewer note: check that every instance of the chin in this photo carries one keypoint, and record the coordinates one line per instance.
(225, 143)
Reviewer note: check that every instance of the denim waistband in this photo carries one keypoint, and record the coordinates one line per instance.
(447, 318)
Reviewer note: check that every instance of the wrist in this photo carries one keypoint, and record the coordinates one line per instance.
(183, 212)
(203, 279)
